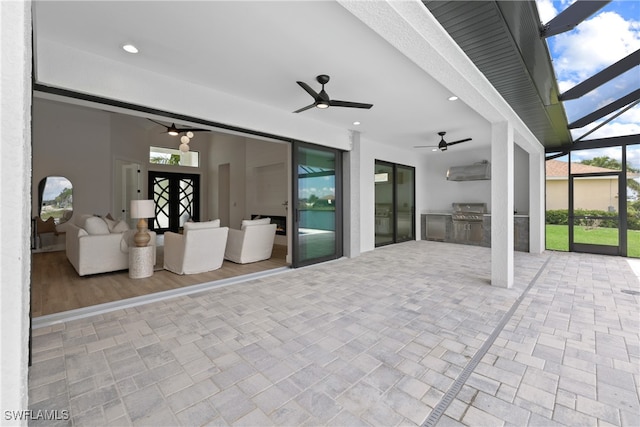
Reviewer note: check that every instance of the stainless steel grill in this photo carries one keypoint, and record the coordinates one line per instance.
(468, 211)
(467, 221)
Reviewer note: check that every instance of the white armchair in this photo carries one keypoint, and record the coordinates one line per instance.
(254, 242)
(199, 249)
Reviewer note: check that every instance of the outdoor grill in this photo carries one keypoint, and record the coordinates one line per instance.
(467, 221)
(468, 211)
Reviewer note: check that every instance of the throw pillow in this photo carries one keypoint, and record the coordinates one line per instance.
(82, 219)
(110, 223)
(96, 225)
(200, 225)
(120, 227)
(250, 222)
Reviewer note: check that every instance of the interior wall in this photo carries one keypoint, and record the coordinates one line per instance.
(73, 142)
(201, 143)
(440, 193)
(83, 144)
(259, 178)
(231, 149)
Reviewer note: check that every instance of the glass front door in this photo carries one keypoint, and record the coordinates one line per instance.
(177, 200)
(595, 213)
(317, 234)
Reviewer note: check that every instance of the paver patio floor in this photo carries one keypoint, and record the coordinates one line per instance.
(409, 334)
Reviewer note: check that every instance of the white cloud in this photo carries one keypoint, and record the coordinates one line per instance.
(594, 44)
(633, 156)
(614, 128)
(546, 10)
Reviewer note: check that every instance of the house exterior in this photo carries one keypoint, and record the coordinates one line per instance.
(591, 193)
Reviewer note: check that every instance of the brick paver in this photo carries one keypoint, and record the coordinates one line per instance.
(375, 340)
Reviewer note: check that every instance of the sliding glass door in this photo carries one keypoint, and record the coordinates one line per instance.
(394, 203)
(317, 182)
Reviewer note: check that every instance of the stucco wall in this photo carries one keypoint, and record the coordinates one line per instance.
(598, 193)
(15, 171)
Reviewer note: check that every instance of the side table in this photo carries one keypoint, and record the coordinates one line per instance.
(140, 262)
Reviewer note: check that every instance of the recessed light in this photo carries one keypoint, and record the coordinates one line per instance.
(453, 98)
(130, 48)
(356, 123)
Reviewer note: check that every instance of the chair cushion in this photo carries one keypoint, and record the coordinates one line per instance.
(200, 225)
(250, 222)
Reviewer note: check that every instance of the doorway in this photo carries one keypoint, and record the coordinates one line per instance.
(595, 228)
(177, 200)
(394, 203)
(317, 196)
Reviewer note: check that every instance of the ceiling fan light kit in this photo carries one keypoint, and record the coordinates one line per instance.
(442, 145)
(184, 139)
(321, 100)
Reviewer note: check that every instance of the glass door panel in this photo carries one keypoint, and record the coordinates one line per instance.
(633, 200)
(176, 198)
(384, 212)
(317, 223)
(405, 196)
(395, 192)
(595, 213)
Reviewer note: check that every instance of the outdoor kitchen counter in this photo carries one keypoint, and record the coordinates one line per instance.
(516, 215)
(438, 226)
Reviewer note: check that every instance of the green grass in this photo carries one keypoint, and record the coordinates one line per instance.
(558, 238)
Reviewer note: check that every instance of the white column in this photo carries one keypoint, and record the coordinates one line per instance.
(15, 204)
(536, 203)
(351, 197)
(502, 204)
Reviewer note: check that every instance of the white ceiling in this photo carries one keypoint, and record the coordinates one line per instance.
(258, 50)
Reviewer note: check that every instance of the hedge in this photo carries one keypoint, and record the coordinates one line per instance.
(561, 217)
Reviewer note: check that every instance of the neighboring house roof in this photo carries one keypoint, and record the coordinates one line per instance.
(557, 168)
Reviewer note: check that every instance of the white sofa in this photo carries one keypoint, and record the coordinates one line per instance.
(252, 243)
(199, 249)
(98, 245)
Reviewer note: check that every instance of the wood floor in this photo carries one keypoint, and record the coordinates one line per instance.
(56, 286)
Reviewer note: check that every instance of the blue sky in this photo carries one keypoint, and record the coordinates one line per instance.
(601, 40)
(55, 186)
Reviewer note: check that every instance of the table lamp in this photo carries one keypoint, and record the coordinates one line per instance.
(142, 209)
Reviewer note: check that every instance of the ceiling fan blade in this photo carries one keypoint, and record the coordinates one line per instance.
(459, 141)
(193, 130)
(305, 108)
(334, 103)
(157, 122)
(425, 146)
(310, 91)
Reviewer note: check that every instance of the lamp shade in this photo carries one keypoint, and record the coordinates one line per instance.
(142, 209)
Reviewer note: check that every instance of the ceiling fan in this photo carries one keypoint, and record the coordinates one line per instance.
(443, 145)
(174, 131)
(322, 100)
